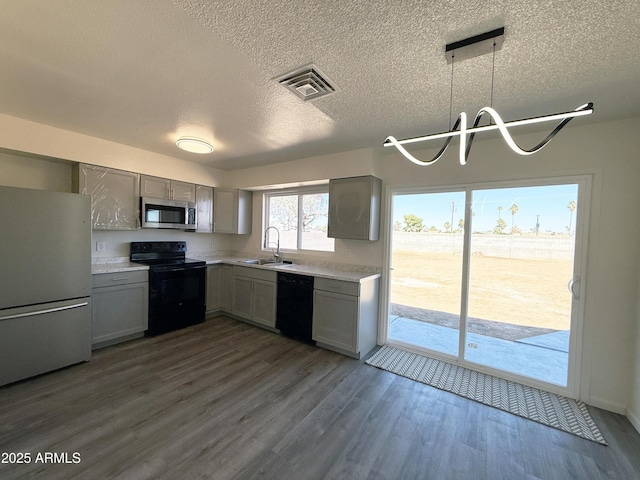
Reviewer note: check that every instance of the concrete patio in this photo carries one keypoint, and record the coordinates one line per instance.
(543, 357)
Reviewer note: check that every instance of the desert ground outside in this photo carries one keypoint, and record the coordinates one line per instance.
(510, 292)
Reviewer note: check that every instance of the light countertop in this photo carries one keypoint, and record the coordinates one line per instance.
(97, 268)
(312, 270)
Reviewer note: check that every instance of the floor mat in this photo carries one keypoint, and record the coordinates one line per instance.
(534, 404)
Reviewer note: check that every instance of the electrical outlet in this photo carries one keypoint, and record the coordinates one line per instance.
(100, 247)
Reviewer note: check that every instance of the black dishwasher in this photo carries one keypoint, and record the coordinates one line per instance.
(294, 317)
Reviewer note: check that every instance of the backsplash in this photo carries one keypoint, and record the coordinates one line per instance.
(298, 259)
(314, 261)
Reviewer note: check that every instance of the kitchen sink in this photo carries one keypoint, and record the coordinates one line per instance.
(259, 262)
(266, 263)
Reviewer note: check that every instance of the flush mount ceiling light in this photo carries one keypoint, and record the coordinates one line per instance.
(194, 145)
(469, 48)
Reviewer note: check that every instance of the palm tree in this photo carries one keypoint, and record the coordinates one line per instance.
(500, 226)
(500, 212)
(514, 209)
(572, 207)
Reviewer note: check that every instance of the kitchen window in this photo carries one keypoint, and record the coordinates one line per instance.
(301, 217)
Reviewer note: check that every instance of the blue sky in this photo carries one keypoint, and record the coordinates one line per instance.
(546, 204)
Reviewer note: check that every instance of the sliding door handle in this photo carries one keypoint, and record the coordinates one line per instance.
(574, 287)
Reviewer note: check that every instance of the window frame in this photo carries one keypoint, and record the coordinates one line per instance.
(300, 192)
(575, 386)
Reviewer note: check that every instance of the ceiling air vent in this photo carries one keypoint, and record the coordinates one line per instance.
(308, 83)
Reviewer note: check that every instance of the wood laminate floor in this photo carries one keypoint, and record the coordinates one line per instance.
(226, 400)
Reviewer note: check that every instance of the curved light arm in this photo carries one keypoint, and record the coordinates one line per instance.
(465, 146)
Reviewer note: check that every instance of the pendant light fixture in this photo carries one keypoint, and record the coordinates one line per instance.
(468, 48)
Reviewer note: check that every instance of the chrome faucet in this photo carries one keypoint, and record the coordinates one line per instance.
(276, 253)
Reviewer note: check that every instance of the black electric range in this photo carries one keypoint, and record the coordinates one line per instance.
(177, 285)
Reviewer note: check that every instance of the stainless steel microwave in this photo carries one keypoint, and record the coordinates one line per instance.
(163, 213)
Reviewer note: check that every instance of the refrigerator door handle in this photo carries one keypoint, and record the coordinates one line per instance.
(48, 310)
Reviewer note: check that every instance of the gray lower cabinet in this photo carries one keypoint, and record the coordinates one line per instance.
(226, 288)
(119, 307)
(214, 288)
(219, 288)
(345, 315)
(254, 295)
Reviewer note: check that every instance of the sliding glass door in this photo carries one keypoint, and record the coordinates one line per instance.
(490, 277)
(426, 278)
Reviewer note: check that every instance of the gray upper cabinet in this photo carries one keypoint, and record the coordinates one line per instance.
(156, 187)
(354, 208)
(232, 210)
(204, 209)
(115, 196)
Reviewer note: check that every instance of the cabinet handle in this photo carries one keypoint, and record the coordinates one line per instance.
(117, 279)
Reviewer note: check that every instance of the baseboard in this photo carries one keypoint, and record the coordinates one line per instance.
(635, 421)
(608, 405)
(251, 322)
(115, 341)
(214, 313)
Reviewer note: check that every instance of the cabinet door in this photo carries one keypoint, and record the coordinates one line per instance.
(335, 319)
(264, 303)
(226, 288)
(204, 205)
(155, 187)
(225, 212)
(119, 311)
(242, 287)
(183, 191)
(214, 275)
(115, 197)
(354, 208)
(244, 209)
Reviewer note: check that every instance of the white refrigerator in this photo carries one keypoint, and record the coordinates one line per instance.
(45, 281)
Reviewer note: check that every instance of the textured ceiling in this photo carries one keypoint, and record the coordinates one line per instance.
(145, 72)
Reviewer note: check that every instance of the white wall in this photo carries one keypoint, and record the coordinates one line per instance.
(304, 171)
(37, 173)
(353, 163)
(29, 137)
(117, 242)
(609, 151)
